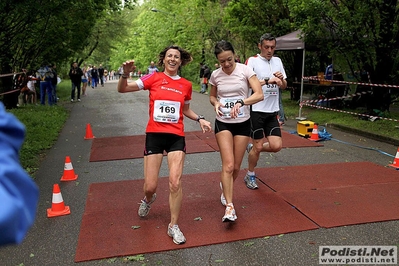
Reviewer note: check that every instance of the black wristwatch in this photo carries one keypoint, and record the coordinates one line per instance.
(241, 101)
(200, 117)
(267, 81)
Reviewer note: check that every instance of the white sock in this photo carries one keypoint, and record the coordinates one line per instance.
(251, 173)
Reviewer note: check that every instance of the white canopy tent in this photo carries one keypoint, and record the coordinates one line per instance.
(291, 42)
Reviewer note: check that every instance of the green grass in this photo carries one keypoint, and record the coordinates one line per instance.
(43, 125)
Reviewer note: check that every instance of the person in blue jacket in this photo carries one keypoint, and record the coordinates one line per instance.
(329, 73)
(19, 194)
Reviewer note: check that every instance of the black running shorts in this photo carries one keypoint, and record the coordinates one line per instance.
(242, 129)
(156, 143)
(264, 125)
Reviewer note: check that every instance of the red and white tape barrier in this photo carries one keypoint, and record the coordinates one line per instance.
(335, 98)
(348, 112)
(353, 83)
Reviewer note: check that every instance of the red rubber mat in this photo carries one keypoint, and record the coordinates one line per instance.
(331, 207)
(111, 227)
(337, 194)
(131, 147)
(315, 176)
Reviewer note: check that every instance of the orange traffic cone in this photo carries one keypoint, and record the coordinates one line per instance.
(396, 161)
(58, 207)
(315, 133)
(89, 133)
(69, 173)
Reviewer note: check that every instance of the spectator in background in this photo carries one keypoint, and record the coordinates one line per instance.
(75, 73)
(101, 75)
(19, 195)
(105, 74)
(89, 82)
(152, 68)
(205, 79)
(94, 77)
(120, 72)
(85, 79)
(54, 82)
(31, 92)
(45, 74)
(329, 72)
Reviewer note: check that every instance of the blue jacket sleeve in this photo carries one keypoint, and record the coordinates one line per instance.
(18, 192)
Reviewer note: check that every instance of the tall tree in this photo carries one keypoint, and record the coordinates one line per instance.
(358, 34)
(194, 25)
(247, 20)
(33, 32)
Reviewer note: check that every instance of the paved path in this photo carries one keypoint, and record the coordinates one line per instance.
(53, 241)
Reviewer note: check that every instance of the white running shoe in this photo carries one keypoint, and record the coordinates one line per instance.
(145, 207)
(250, 181)
(230, 213)
(176, 234)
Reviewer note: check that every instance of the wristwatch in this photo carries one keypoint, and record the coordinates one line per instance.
(241, 101)
(200, 117)
(267, 81)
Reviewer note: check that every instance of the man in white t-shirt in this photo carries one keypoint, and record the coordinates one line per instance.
(266, 131)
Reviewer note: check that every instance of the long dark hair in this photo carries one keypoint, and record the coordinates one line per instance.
(184, 55)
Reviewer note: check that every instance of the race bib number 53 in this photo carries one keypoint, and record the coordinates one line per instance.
(271, 90)
(166, 111)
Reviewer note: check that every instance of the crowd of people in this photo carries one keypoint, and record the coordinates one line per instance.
(245, 97)
(94, 76)
(42, 83)
(45, 78)
(89, 76)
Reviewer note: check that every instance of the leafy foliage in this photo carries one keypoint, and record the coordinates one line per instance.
(195, 25)
(33, 32)
(358, 34)
(249, 19)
